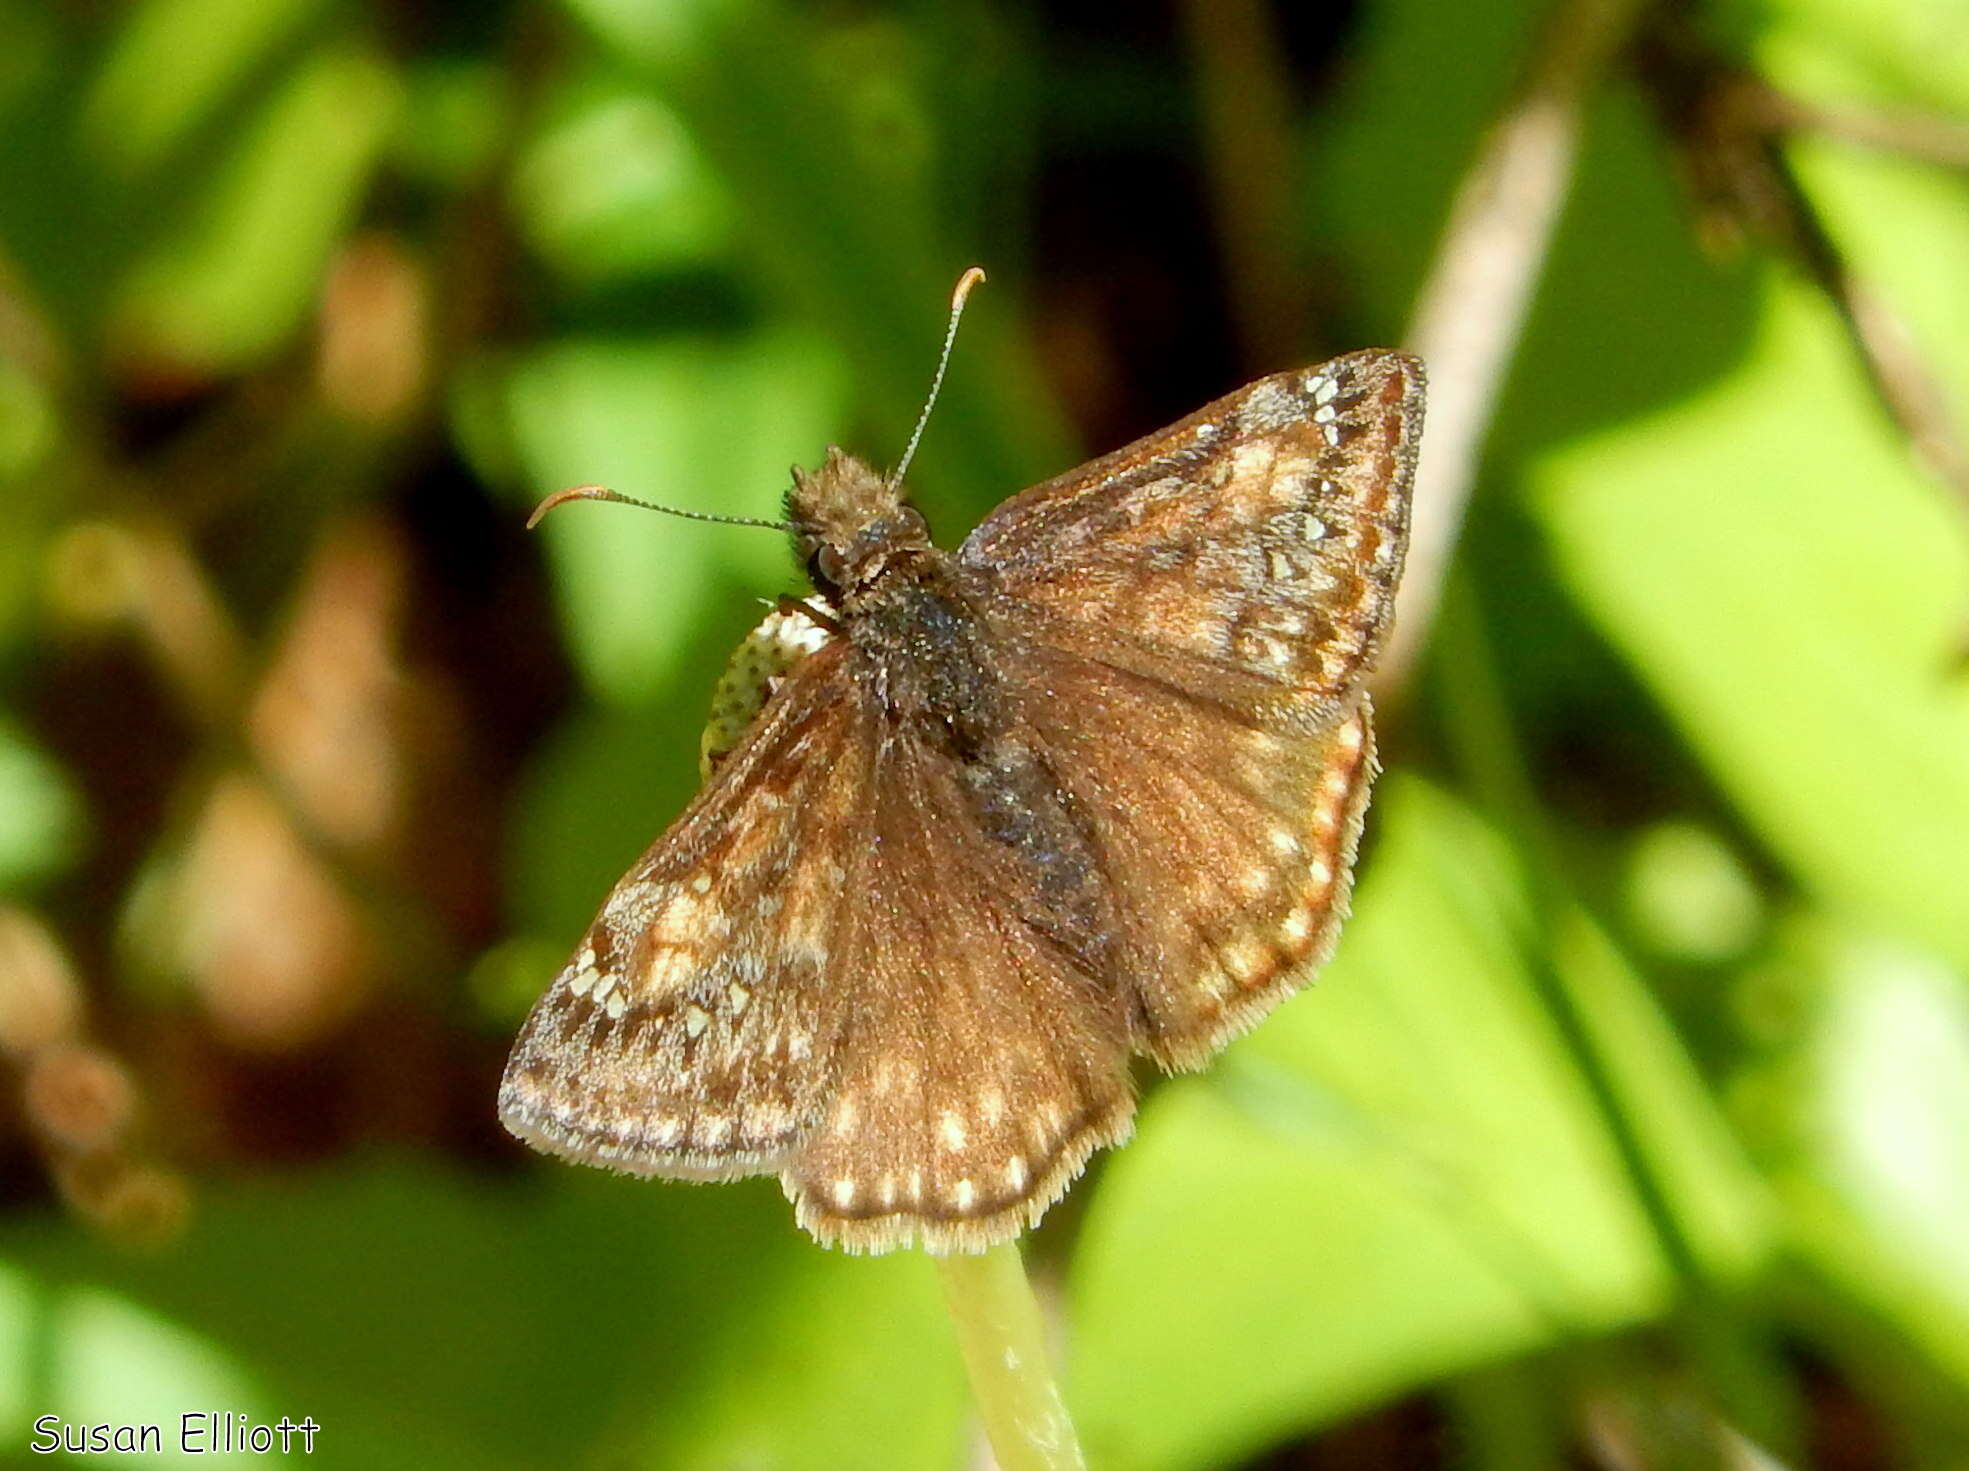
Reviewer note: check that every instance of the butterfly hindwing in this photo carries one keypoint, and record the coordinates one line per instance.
(1227, 843)
(984, 1061)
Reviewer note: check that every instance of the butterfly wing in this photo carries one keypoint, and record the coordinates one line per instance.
(1195, 613)
(1250, 550)
(986, 1058)
(803, 978)
(1226, 842)
(691, 1035)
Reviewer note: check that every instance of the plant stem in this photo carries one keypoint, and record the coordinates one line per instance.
(1003, 1339)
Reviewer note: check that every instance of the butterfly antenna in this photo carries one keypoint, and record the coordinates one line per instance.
(957, 298)
(603, 493)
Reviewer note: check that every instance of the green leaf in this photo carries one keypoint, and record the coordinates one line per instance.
(40, 817)
(596, 794)
(1790, 590)
(172, 66)
(836, 215)
(427, 1320)
(1398, 1177)
(1876, 1173)
(1893, 52)
(1384, 169)
(616, 187)
(234, 283)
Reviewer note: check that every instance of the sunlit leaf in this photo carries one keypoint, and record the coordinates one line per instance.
(173, 64)
(1874, 1160)
(1791, 592)
(617, 188)
(1401, 1175)
(40, 818)
(242, 274)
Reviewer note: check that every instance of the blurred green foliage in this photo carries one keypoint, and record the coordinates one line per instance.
(1638, 1094)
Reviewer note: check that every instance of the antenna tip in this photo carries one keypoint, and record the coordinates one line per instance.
(973, 277)
(572, 493)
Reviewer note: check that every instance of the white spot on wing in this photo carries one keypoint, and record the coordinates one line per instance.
(1298, 925)
(1247, 959)
(1266, 406)
(1215, 981)
(846, 1116)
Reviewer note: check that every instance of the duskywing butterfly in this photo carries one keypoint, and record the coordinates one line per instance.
(1086, 787)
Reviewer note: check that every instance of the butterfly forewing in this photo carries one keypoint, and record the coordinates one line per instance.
(1263, 534)
(694, 1034)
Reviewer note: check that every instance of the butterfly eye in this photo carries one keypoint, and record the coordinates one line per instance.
(825, 568)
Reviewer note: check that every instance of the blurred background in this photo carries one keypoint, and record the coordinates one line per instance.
(1630, 1128)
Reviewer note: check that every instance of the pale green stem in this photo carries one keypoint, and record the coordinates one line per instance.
(1003, 1338)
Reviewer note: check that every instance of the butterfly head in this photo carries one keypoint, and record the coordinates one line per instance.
(850, 524)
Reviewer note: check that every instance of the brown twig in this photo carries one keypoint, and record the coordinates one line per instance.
(1921, 136)
(1472, 308)
(1733, 129)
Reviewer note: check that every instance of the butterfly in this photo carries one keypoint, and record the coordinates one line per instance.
(1085, 788)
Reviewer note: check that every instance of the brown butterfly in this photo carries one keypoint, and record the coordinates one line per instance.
(1087, 787)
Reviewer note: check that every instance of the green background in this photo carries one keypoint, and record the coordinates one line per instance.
(1630, 1125)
